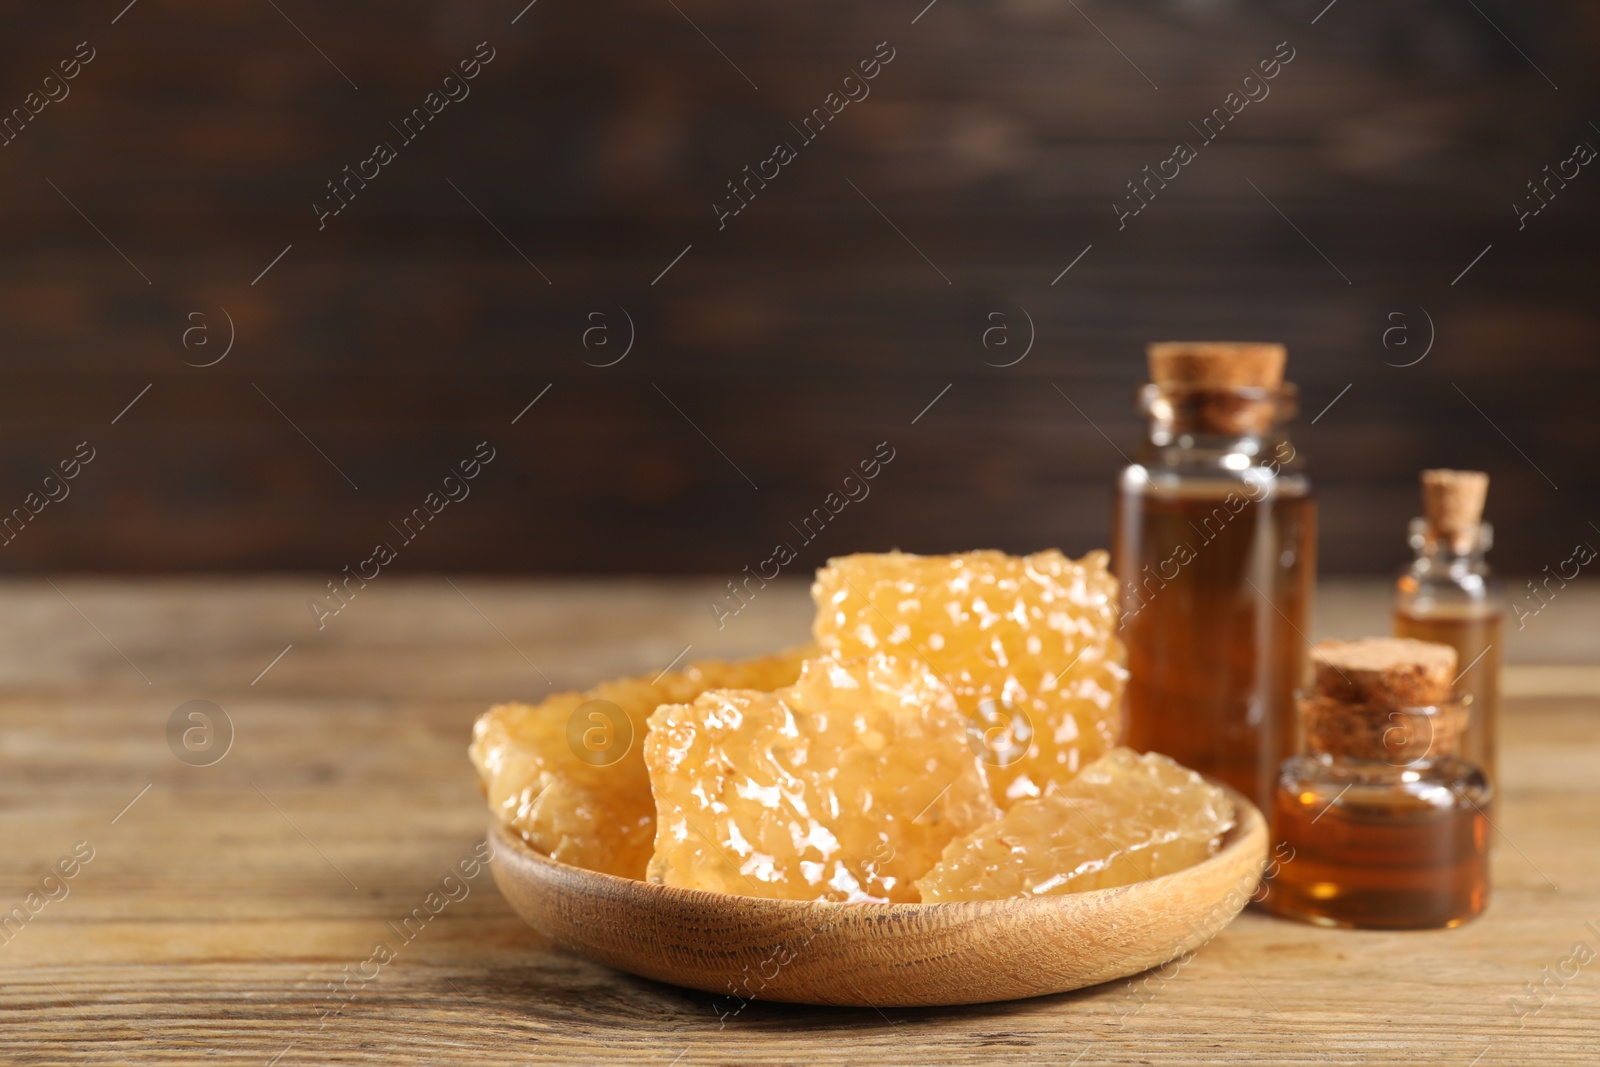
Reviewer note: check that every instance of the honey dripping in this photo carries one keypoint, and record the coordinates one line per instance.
(1381, 823)
(1215, 549)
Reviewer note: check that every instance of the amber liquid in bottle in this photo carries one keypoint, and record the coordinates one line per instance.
(1448, 594)
(1216, 594)
(1475, 635)
(1371, 851)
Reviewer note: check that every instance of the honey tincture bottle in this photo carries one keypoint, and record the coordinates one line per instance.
(1214, 548)
(1382, 825)
(1448, 595)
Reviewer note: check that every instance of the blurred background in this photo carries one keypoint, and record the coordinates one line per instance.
(551, 264)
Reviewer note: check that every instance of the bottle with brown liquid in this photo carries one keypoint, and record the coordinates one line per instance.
(1448, 595)
(1214, 545)
(1381, 824)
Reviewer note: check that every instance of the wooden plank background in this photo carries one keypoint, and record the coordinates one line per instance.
(778, 351)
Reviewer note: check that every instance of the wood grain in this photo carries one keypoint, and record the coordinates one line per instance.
(207, 928)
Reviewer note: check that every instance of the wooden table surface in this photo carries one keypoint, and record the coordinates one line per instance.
(223, 905)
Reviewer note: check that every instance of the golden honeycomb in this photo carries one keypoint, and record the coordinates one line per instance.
(1008, 634)
(1123, 819)
(844, 786)
(573, 783)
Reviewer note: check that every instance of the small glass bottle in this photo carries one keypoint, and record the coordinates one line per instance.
(1214, 547)
(1448, 595)
(1382, 826)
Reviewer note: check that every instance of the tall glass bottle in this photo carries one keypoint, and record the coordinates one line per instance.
(1449, 596)
(1214, 546)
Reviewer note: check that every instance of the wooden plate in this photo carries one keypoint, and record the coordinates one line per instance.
(819, 952)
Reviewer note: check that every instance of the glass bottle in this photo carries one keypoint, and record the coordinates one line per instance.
(1448, 595)
(1214, 547)
(1381, 824)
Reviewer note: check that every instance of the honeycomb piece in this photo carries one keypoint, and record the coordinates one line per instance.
(1035, 634)
(1123, 819)
(844, 786)
(595, 810)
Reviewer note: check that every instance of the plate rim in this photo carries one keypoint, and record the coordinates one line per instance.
(1236, 838)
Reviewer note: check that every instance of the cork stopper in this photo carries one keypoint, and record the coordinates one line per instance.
(1221, 387)
(1383, 698)
(1452, 504)
(1377, 732)
(1217, 364)
(1395, 672)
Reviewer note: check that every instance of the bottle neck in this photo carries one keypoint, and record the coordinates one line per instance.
(1448, 578)
(1400, 737)
(1214, 412)
(1232, 435)
(1444, 553)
